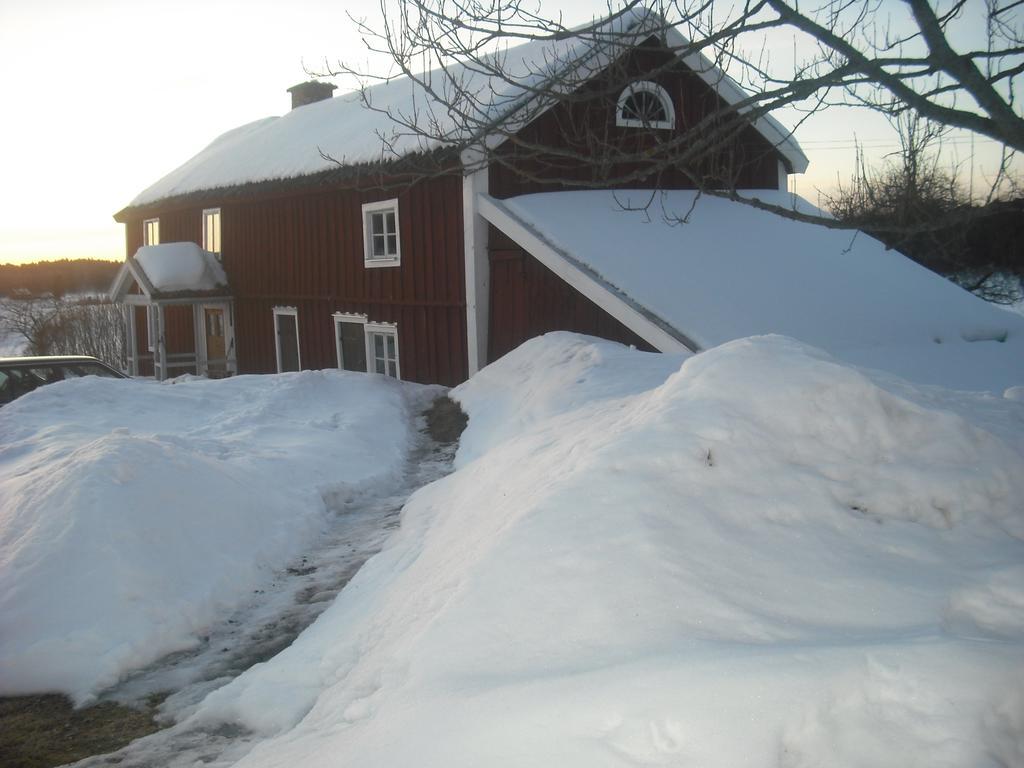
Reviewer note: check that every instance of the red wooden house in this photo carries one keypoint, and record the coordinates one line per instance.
(366, 262)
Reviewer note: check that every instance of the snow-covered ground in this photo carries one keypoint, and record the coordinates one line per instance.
(11, 344)
(756, 556)
(133, 514)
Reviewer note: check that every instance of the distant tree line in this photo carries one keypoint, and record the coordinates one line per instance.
(57, 278)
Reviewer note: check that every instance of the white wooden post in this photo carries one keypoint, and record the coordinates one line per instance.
(132, 341)
(199, 340)
(161, 344)
(229, 337)
(478, 265)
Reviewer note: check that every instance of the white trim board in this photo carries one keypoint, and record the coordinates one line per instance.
(476, 261)
(656, 332)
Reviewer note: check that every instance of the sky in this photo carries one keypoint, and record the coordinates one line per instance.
(103, 97)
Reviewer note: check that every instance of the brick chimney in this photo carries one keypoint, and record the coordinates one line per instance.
(309, 92)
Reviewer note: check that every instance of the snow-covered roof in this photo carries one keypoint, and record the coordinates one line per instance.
(171, 268)
(343, 128)
(732, 271)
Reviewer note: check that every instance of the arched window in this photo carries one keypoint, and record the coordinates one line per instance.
(644, 104)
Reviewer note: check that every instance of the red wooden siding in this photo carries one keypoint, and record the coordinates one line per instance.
(528, 299)
(585, 127)
(432, 346)
(305, 250)
(179, 335)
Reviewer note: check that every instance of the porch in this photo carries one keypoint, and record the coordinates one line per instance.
(178, 313)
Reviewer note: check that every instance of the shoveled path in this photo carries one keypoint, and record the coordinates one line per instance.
(275, 616)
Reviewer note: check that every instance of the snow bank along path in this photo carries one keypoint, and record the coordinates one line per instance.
(133, 515)
(756, 557)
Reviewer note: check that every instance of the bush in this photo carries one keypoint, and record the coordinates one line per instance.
(67, 326)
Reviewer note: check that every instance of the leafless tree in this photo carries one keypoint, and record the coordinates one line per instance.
(89, 327)
(955, 64)
(66, 326)
(30, 317)
(919, 205)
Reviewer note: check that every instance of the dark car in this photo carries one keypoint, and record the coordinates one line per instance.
(20, 375)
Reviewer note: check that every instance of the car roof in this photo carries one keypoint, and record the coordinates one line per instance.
(19, 363)
(49, 360)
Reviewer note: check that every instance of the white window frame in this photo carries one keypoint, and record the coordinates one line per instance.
(146, 230)
(294, 312)
(645, 86)
(390, 260)
(388, 329)
(346, 317)
(208, 213)
(369, 328)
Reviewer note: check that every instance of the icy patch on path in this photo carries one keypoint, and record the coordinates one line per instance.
(269, 622)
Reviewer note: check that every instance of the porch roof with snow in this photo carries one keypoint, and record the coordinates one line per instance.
(171, 272)
(731, 270)
(299, 143)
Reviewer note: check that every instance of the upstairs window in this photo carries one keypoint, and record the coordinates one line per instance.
(381, 247)
(645, 105)
(211, 230)
(151, 232)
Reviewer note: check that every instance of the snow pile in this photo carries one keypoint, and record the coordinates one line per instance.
(756, 557)
(132, 514)
(180, 267)
(732, 271)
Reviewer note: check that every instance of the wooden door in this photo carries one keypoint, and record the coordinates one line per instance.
(216, 350)
(287, 342)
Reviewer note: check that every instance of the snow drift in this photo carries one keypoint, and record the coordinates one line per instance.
(132, 514)
(755, 557)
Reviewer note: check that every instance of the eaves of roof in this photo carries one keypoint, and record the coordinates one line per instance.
(364, 176)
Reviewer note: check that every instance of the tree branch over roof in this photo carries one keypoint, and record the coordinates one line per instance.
(892, 58)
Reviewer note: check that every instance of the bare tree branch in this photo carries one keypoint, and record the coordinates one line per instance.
(471, 88)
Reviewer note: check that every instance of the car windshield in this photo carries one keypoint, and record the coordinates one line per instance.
(75, 370)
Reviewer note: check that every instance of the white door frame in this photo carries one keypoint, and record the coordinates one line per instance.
(202, 354)
(294, 312)
(346, 317)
